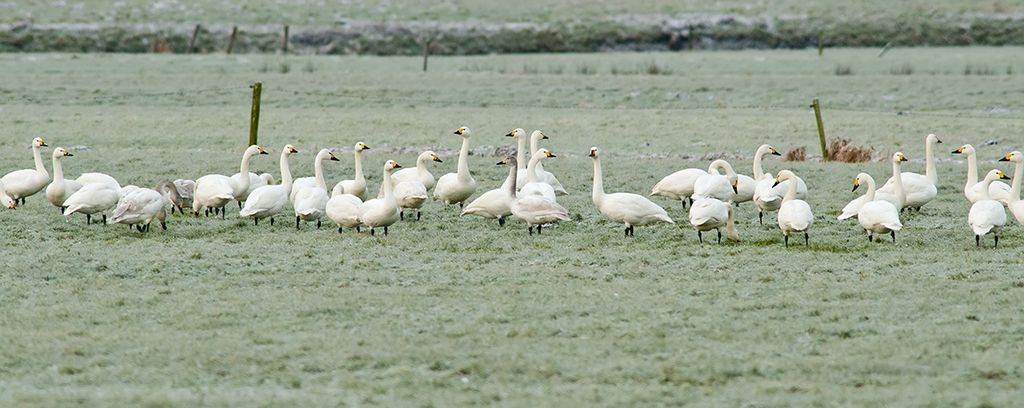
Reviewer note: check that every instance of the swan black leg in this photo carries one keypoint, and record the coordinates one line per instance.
(296, 222)
(700, 237)
(418, 215)
(271, 220)
(719, 236)
(530, 229)
(358, 229)
(684, 204)
(239, 205)
(501, 221)
(539, 227)
(255, 221)
(785, 239)
(207, 212)
(339, 230)
(104, 219)
(460, 205)
(977, 240)
(401, 215)
(997, 240)
(385, 231)
(223, 212)
(163, 225)
(317, 224)
(371, 231)
(627, 231)
(88, 219)
(807, 239)
(871, 237)
(893, 233)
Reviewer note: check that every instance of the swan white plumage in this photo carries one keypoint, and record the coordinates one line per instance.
(302, 183)
(356, 186)
(535, 210)
(170, 192)
(708, 214)
(267, 201)
(411, 185)
(5, 199)
(678, 185)
(626, 208)
(896, 196)
(255, 181)
(419, 173)
(214, 191)
(311, 202)
(25, 183)
(60, 188)
(139, 208)
(343, 209)
(92, 199)
(382, 212)
(766, 197)
(987, 215)
(534, 186)
(1014, 203)
(456, 188)
(497, 203)
(920, 189)
(795, 214)
(715, 185)
(997, 190)
(876, 216)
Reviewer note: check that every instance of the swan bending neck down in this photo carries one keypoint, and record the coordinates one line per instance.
(139, 208)
(5, 199)
(876, 216)
(626, 208)
(20, 184)
(1015, 204)
(534, 210)
(267, 201)
(794, 214)
(987, 215)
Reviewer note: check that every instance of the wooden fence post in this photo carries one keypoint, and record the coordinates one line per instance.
(821, 43)
(254, 119)
(192, 42)
(284, 42)
(231, 40)
(426, 51)
(821, 128)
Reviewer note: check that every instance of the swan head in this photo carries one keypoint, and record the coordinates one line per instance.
(462, 131)
(996, 175)
(510, 161)
(391, 165)
(327, 154)
(539, 134)
(38, 142)
(428, 156)
(594, 153)
(433, 156)
(862, 176)
(965, 149)
(361, 146)
(289, 149)
(254, 150)
(61, 152)
(783, 176)
(546, 153)
(9, 202)
(1013, 156)
(517, 133)
(767, 149)
(932, 139)
(898, 157)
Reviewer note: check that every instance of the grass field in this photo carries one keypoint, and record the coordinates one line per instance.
(453, 310)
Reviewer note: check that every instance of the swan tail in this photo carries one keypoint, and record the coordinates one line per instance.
(895, 226)
(845, 215)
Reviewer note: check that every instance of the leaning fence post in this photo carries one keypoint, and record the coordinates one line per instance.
(254, 119)
(821, 128)
(231, 40)
(192, 42)
(284, 41)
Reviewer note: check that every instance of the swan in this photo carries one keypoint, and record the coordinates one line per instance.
(876, 216)
(382, 212)
(714, 185)
(170, 192)
(215, 190)
(766, 197)
(1015, 204)
(139, 208)
(411, 185)
(343, 209)
(521, 161)
(534, 209)
(919, 189)
(897, 196)
(98, 178)
(678, 185)
(185, 188)
(5, 199)
(267, 201)
(356, 186)
(997, 190)
(627, 208)
(302, 183)
(794, 214)
(60, 188)
(92, 199)
(987, 215)
(543, 175)
(497, 203)
(311, 202)
(456, 188)
(534, 186)
(708, 214)
(420, 173)
(21, 184)
(255, 181)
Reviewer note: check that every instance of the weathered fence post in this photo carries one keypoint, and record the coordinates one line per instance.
(821, 128)
(254, 119)
(426, 51)
(192, 42)
(284, 41)
(821, 43)
(231, 40)
(885, 49)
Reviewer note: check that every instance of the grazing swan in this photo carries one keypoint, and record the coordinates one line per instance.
(139, 208)
(1015, 204)
(534, 186)
(543, 175)
(714, 185)
(267, 201)
(311, 202)
(987, 215)
(170, 192)
(766, 197)
(185, 188)
(998, 190)
(678, 185)
(794, 214)
(24, 183)
(626, 208)
(92, 199)
(411, 185)
(5, 199)
(60, 188)
(876, 216)
(214, 191)
(382, 212)
(456, 188)
(919, 189)
(534, 209)
(497, 203)
(896, 196)
(356, 186)
(302, 183)
(708, 214)
(420, 173)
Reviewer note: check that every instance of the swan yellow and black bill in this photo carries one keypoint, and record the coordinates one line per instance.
(260, 148)
(1007, 157)
(959, 150)
(42, 143)
(437, 159)
(543, 136)
(776, 182)
(67, 153)
(460, 130)
(333, 157)
(503, 161)
(1003, 176)
(510, 134)
(775, 152)
(549, 154)
(856, 183)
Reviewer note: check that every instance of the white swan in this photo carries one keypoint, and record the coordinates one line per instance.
(311, 202)
(794, 214)
(214, 191)
(411, 185)
(535, 210)
(497, 203)
(1015, 204)
(896, 196)
(167, 189)
(544, 175)
(997, 190)
(185, 189)
(343, 209)
(626, 208)
(267, 201)
(534, 186)
(60, 188)
(876, 216)
(5, 199)
(987, 215)
(715, 185)
(24, 183)
(92, 199)
(382, 212)
(678, 185)
(766, 197)
(302, 183)
(456, 188)
(139, 208)
(419, 173)
(708, 214)
(919, 189)
(356, 186)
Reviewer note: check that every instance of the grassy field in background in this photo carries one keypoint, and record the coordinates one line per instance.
(453, 310)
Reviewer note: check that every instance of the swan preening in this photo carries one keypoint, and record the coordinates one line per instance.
(626, 208)
(987, 215)
(139, 208)
(715, 185)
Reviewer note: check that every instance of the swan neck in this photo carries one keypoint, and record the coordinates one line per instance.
(359, 165)
(531, 170)
(898, 180)
(869, 195)
(39, 160)
(318, 171)
(972, 170)
(730, 225)
(598, 194)
(1018, 173)
(534, 143)
(464, 160)
(929, 170)
(521, 153)
(58, 171)
(243, 172)
(386, 183)
(791, 191)
(758, 170)
(421, 166)
(985, 184)
(513, 173)
(286, 173)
